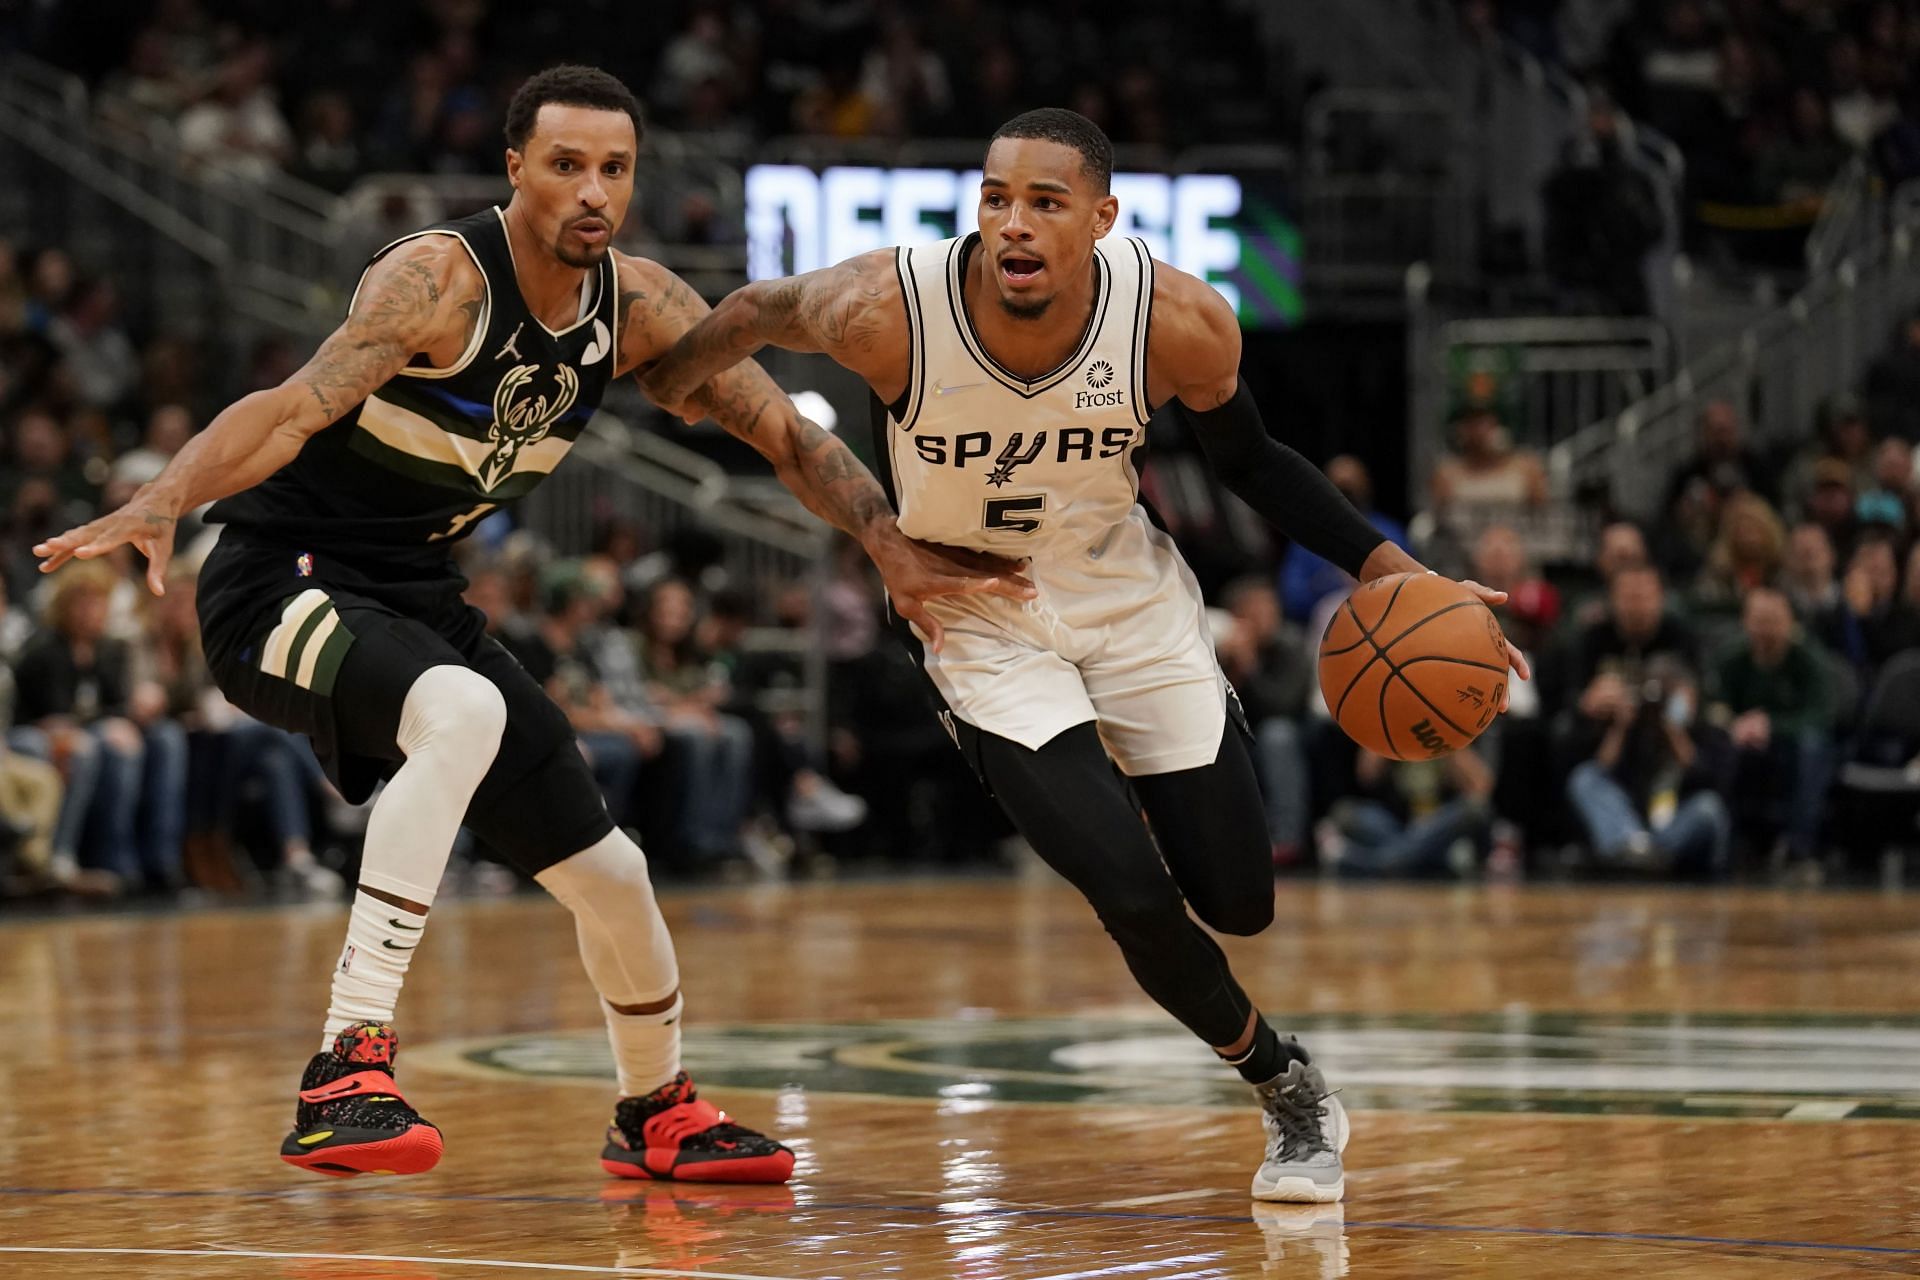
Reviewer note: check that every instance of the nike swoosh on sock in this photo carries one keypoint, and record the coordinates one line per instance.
(399, 925)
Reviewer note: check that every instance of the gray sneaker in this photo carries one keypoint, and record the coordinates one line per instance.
(1306, 1132)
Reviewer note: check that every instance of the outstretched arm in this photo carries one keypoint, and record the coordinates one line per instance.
(407, 298)
(852, 312)
(1196, 354)
(657, 310)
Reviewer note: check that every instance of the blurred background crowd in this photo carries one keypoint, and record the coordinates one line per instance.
(1727, 682)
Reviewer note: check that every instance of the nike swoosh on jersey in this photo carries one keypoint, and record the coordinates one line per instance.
(941, 390)
(602, 344)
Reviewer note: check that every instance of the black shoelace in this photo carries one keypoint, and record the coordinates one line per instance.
(1301, 1115)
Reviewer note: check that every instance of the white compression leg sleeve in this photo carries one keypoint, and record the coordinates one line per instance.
(628, 955)
(450, 729)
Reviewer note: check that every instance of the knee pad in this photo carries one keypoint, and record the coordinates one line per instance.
(623, 938)
(450, 704)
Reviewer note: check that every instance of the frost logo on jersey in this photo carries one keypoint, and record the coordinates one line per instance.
(523, 420)
(1099, 377)
(1012, 458)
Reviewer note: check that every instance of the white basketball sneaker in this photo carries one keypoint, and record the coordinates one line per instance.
(1306, 1132)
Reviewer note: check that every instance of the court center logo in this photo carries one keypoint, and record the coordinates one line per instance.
(1808, 1068)
(522, 418)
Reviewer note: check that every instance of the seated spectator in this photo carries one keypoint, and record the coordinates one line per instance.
(229, 753)
(1893, 380)
(1748, 553)
(1797, 166)
(559, 652)
(1305, 578)
(1722, 466)
(169, 427)
(1831, 503)
(1893, 499)
(74, 708)
(1484, 478)
(329, 149)
(689, 691)
(1845, 438)
(97, 353)
(1642, 786)
(238, 129)
(1621, 545)
(29, 812)
(1417, 818)
(794, 783)
(1532, 611)
(1808, 575)
(1870, 623)
(1775, 693)
(1268, 666)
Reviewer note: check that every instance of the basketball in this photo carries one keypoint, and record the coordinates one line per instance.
(1413, 666)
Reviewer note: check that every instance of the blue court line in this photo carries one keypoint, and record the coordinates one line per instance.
(1448, 1228)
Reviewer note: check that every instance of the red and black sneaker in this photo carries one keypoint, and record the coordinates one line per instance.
(352, 1118)
(670, 1134)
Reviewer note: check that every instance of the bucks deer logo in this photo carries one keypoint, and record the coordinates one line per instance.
(522, 418)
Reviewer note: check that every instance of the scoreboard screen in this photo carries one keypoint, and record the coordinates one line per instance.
(1227, 229)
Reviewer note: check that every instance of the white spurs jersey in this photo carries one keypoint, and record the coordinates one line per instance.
(977, 456)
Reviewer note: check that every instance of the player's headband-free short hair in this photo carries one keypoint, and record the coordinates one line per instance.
(1069, 129)
(568, 85)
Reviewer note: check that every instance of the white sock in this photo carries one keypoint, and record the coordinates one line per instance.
(646, 1047)
(366, 983)
(628, 954)
(450, 728)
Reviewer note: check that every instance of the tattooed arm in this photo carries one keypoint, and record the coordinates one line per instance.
(423, 297)
(657, 309)
(853, 312)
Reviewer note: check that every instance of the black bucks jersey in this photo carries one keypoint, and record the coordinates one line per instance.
(431, 452)
(978, 456)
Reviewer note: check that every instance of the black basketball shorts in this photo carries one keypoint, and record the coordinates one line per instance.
(327, 648)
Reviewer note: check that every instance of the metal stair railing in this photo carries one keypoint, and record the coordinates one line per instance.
(1778, 371)
(266, 240)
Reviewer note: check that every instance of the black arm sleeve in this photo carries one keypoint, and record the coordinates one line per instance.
(1288, 491)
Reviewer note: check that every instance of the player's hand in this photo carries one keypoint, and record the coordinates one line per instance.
(915, 572)
(1515, 659)
(146, 528)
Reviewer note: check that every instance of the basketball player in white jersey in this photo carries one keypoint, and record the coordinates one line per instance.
(1018, 368)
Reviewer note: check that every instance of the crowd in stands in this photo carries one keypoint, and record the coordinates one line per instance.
(422, 88)
(1699, 679)
(1767, 100)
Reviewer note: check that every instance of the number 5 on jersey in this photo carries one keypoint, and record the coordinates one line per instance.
(1019, 513)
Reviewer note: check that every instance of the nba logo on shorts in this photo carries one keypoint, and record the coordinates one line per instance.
(346, 954)
(303, 564)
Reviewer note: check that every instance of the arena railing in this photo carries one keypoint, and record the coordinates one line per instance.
(1777, 372)
(264, 238)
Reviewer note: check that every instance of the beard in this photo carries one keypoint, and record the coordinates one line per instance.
(587, 256)
(1025, 308)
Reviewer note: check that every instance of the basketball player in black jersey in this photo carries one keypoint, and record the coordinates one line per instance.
(471, 357)
(1029, 356)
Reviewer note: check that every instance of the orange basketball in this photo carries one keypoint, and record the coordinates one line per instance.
(1413, 666)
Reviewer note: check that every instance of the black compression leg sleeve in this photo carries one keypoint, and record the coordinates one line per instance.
(1211, 828)
(1074, 808)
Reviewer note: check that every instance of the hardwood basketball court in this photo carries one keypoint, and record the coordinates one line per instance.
(1554, 1082)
